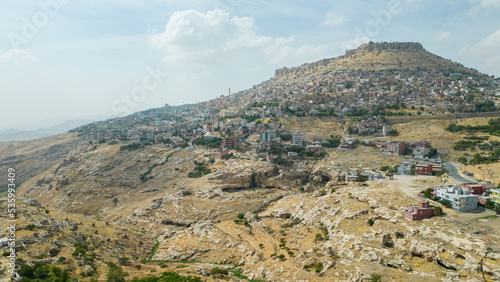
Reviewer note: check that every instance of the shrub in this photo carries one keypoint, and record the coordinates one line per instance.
(30, 226)
(218, 271)
(281, 257)
(370, 222)
(138, 266)
(123, 260)
(438, 210)
(241, 216)
(375, 277)
(318, 267)
(54, 252)
(61, 259)
(319, 237)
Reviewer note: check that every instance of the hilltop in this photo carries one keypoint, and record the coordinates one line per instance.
(375, 57)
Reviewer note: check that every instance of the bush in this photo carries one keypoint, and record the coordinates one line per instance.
(61, 260)
(123, 260)
(438, 210)
(375, 277)
(318, 267)
(30, 227)
(54, 252)
(319, 237)
(218, 271)
(370, 222)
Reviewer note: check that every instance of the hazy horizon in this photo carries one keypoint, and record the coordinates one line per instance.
(68, 60)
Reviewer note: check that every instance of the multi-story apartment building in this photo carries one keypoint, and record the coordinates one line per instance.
(495, 196)
(297, 138)
(460, 198)
(396, 148)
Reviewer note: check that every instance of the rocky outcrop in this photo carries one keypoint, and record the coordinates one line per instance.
(374, 47)
(363, 49)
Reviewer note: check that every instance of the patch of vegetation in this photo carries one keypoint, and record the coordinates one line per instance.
(110, 166)
(283, 161)
(427, 193)
(143, 232)
(260, 104)
(211, 143)
(130, 147)
(486, 217)
(318, 267)
(371, 222)
(218, 271)
(44, 272)
(438, 211)
(81, 248)
(463, 145)
(155, 249)
(375, 277)
(253, 182)
(199, 171)
(446, 203)
(493, 127)
(486, 106)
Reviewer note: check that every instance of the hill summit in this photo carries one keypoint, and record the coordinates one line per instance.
(375, 56)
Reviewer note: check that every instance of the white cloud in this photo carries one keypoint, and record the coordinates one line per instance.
(487, 49)
(24, 54)
(445, 36)
(489, 45)
(215, 37)
(334, 19)
(486, 3)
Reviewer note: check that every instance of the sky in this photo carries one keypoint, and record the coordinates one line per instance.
(63, 60)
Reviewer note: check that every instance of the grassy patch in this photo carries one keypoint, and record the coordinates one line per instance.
(486, 217)
(155, 249)
(110, 166)
(143, 232)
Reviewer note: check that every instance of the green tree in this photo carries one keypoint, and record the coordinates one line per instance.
(123, 260)
(438, 211)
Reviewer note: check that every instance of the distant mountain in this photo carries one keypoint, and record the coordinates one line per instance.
(18, 135)
(375, 56)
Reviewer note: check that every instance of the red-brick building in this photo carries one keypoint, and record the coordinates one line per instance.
(428, 169)
(229, 142)
(396, 148)
(423, 210)
(478, 188)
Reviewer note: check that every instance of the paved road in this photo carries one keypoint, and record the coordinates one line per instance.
(453, 173)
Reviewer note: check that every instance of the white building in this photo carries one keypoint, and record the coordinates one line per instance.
(460, 198)
(297, 138)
